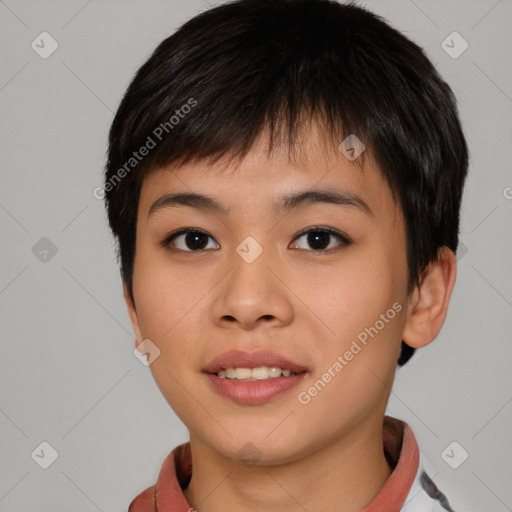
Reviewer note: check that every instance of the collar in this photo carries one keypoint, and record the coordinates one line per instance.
(400, 448)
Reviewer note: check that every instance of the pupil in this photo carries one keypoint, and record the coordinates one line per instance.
(192, 238)
(318, 236)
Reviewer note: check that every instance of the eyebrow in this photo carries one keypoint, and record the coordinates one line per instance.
(286, 203)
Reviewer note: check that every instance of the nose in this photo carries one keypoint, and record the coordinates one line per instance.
(253, 293)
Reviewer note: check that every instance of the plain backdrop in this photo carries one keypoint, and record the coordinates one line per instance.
(68, 376)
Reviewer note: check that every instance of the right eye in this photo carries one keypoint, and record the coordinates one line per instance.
(193, 239)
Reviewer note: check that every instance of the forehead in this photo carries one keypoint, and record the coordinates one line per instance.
(258, 181)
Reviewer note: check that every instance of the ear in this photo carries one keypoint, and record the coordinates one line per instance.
(428, 305)
(133, 315)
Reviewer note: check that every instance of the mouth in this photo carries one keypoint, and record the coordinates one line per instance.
(255, 374)
(257, 365)
(253, 378)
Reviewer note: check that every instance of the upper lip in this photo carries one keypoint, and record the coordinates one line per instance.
(241, 359)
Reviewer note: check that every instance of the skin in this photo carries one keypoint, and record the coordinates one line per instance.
(306, 304)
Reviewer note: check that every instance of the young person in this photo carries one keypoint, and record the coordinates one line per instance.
(284, 181)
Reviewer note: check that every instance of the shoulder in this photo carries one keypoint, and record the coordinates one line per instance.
(145, 501)
(174, 476)
(426, 495)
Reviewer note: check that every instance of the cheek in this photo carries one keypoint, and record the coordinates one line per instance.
(357, 357)
(165, 293)
(350, 297)
(362, 303)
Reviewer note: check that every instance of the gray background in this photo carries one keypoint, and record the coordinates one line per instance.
(68, 373)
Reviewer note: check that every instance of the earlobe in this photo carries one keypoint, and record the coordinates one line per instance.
(132, 312)
(429, 301)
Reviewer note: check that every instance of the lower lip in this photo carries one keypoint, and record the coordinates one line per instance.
(254, 392)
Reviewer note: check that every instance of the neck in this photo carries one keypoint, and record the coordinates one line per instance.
(344, 475)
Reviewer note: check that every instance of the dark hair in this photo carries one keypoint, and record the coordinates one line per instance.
(212, 87)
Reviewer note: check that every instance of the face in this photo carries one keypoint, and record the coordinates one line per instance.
(322, 284)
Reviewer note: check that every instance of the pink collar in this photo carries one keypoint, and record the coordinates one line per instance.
(400, 448)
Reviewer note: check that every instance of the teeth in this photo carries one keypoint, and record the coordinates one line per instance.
(274, 371)
(253, 374)
(243, 373)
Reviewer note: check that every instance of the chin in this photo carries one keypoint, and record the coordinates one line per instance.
(254, 448)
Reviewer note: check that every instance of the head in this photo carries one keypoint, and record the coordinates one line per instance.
(252, 101)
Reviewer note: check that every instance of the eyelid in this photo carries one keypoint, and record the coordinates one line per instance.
(325, 229)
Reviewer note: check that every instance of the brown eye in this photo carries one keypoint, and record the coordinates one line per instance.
(188, 240)
(321, 238)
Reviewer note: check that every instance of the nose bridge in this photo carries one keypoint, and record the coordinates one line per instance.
(251, 276)
(251, 290)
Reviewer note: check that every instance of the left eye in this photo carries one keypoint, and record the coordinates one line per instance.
(191, 238)
(320, 238)
(194, 240)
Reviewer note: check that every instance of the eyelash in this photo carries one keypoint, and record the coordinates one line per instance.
(345, 240)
